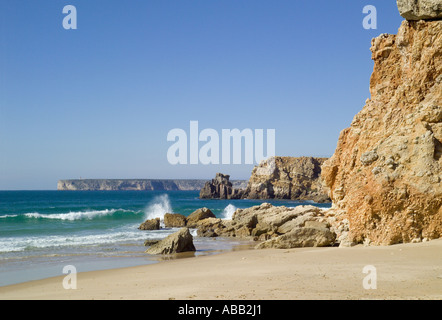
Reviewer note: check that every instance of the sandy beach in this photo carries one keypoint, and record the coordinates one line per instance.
(405, 271)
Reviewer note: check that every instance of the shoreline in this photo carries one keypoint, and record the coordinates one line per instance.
(43, 268)
(404, 271)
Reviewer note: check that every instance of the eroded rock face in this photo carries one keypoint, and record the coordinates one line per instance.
(420, 9)
(288, 178)
(385, 175)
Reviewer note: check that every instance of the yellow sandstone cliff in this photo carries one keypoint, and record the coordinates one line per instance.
(385, 175)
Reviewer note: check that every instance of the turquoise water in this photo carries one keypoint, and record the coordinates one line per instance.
(43, 231)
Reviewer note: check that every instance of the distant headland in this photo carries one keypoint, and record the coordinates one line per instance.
(137, 184)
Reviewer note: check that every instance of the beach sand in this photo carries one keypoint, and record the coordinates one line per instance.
(405, 271)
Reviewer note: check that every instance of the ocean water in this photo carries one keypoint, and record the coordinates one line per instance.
(41, 232)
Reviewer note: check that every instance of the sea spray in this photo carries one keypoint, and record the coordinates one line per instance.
(159, 206)
(228, 212)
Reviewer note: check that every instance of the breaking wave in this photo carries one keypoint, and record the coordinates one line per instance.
(14, 244)
(73, 215)
(159, 206)
(228, 212)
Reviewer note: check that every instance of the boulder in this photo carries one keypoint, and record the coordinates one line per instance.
(151, 224)
(174, 220)
(197, 215)
(420, 9)
(180, 241)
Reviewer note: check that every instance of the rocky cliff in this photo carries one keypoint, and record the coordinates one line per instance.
(136, 184)
(287, 178)
(420, 9)
(385, 175)
(278, 227)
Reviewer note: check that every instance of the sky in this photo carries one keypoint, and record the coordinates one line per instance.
(99, 101)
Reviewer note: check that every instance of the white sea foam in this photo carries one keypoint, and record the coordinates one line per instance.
(159, 206)
(228, 212)
(131, 234)
(8, 216)
(71, 216)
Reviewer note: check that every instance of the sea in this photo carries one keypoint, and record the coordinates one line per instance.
(42, 232)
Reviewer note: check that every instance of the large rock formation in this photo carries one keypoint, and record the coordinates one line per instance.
(385, 175)
(287, 178)
(220, 188)
(180, 241)
(420, 9)
(278, 227)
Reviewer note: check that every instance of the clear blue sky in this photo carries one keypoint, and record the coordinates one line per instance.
(98, 102)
